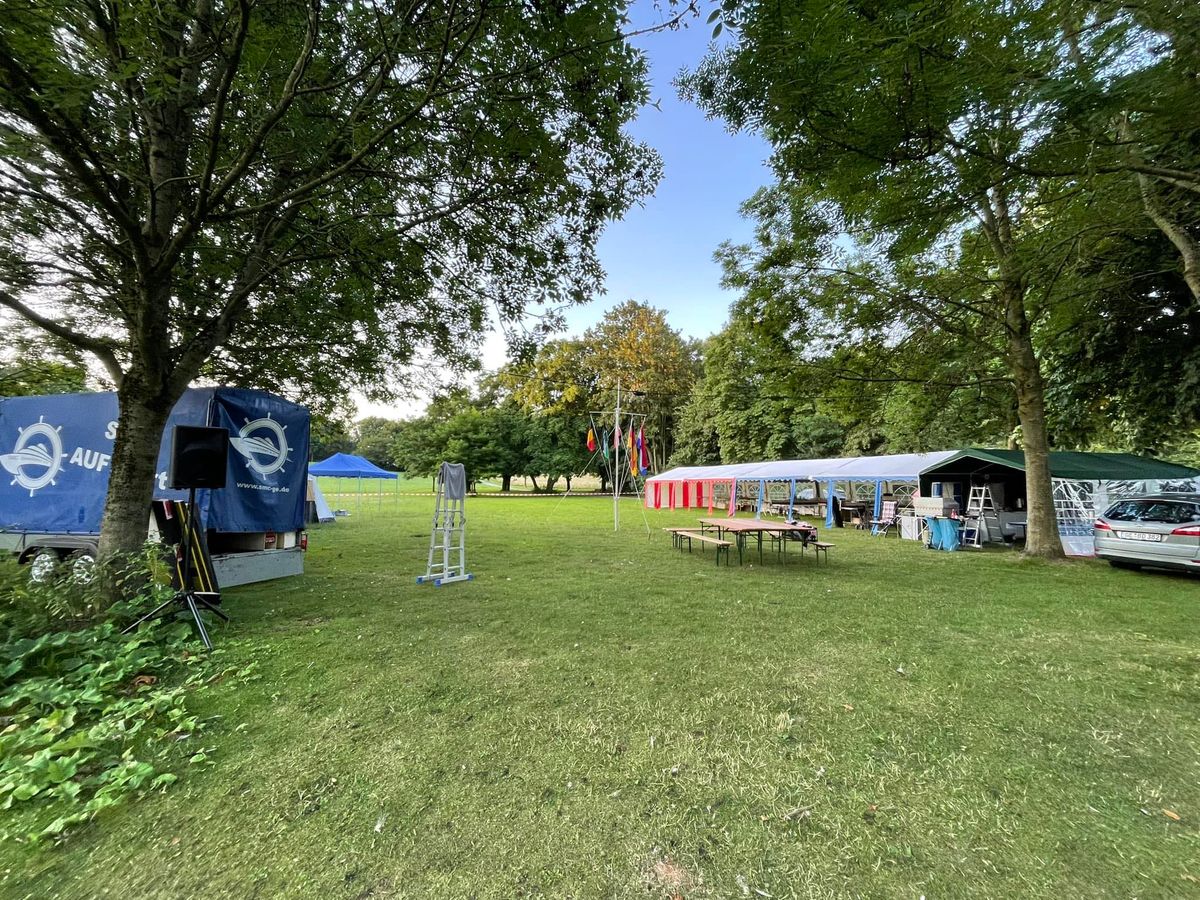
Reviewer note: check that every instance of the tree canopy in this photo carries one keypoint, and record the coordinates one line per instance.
(301, 195)
(932, 175)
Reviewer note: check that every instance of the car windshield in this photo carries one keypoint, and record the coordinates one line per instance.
(1168, 512)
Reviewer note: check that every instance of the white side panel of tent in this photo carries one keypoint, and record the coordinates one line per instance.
(324, 513)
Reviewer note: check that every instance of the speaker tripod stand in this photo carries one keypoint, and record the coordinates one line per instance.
(187, 597)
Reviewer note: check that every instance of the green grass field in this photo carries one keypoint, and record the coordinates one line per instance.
(597, 715)
(376, 495)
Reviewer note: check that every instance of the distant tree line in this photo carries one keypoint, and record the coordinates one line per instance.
(749, 392)
(531, 419)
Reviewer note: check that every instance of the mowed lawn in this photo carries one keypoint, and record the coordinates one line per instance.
(597, 715)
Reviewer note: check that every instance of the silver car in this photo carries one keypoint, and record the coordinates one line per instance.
(1160, 530)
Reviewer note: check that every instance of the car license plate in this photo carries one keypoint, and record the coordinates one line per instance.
(1139, 536)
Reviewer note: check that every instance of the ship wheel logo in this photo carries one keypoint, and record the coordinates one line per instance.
(264, 444)
(37, 458)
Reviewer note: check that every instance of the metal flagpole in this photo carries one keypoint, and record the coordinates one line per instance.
(617, 461)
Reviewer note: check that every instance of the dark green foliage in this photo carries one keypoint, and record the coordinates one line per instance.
(31, 366)
(754, 401)
(89, 717)
(82, 730)
(72, 596)
(328, 436)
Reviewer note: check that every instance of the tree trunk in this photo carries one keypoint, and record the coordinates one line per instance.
(140, 424)
(551, 481)
(533, 478)
(568, 484)
(1041, 524)
(505, 483)
(1188, 247)
(1041, 528)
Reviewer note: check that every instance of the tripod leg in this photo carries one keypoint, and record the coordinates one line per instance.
(213, 608)
(195, 610)
(153, 614)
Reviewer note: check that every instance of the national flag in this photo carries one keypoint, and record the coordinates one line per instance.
(605, 444)
(591, 440)
(643, 452)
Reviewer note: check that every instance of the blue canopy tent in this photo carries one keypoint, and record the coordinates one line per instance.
(347, 465)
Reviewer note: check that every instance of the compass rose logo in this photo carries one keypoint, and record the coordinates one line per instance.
(264, 444)
(37, 457)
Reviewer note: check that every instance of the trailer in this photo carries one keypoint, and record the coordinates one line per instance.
(57, 450)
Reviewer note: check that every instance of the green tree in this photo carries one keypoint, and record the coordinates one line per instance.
(558, 389)
(753, 402)
(298, 190)
(378, 440)
(635, 348)
(569, 380)
(30, 367)
(329, 436)
(905, 137)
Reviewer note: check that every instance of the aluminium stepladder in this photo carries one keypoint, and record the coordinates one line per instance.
(982, 509)
(448, 537)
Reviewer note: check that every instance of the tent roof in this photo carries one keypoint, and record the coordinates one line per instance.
(346, 465)
(1080, 466)
(894, 467)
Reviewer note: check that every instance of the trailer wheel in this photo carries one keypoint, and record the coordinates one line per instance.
(42, 565)
(82, 565)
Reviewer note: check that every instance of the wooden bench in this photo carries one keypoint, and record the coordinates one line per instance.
(721, 545)
(675, 532)
(819, 547)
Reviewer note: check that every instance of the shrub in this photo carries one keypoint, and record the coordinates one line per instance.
(88, 717)
(65, 600)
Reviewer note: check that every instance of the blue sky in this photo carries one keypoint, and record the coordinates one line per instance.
(661, 253)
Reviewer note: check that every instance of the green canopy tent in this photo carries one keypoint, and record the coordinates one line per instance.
(1084, 484)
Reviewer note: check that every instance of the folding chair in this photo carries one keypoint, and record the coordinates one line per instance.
(888, 519)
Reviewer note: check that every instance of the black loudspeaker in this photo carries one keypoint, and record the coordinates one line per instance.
(198, 456)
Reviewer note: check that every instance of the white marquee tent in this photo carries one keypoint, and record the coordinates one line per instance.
(699, 486)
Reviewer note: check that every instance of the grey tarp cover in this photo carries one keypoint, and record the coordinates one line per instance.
(454, 479)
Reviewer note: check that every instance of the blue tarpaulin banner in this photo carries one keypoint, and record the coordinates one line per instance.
(56, 450)
(266, 482)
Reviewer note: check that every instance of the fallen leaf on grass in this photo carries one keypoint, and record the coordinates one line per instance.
(847, 707)
(1192, 878)
(144, 681)
(1172, 815)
